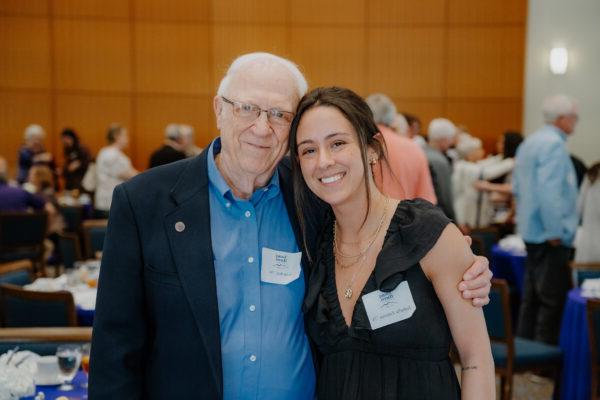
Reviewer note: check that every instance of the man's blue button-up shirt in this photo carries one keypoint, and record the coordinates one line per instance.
(545, 188)
(264, 347)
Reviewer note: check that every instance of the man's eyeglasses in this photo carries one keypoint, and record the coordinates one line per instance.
(250, 112)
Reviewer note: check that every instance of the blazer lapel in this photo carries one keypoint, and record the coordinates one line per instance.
(188, 230)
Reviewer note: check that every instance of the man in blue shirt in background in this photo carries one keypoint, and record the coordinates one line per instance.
(545, 189)
(203, 271)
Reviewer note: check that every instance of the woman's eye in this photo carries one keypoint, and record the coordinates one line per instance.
(337, 143)
(307, 151)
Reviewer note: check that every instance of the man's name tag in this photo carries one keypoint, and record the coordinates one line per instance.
(385, 308)
(279, 267)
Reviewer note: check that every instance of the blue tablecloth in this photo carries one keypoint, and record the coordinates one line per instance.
(509, 266)
(52, 392)
(574, 342)
(85, 317)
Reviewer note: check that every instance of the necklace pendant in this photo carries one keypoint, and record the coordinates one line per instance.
(348, 293)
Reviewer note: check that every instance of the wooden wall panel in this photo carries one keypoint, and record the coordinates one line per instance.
(24, 53)
(406, 12)
(230, 41)
(17, 110)
(166, 10)
(93, 55)
(486, 62)
(154, 113)
(487, 11)
(92, 8)
(332, 12)
(487, 119)
(405, 62)
(22, 7)
(90, 116)
(244, 11)
(86, 63)
(172, 58)
(330, 56)
(425, 110)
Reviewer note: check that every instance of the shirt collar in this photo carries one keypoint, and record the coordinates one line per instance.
(558, 131)
(216, 179)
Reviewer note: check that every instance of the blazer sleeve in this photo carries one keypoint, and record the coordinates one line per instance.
(119, 337)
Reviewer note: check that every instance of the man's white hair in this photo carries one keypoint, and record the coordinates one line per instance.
(383, 108)
(557, 106)
(466, 145)
(441, 128)
(186, 130)
(172, 131)
(34, 131)
(400, 125)
(264, 60)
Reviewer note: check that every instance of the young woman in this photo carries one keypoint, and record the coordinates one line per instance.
(382, 303)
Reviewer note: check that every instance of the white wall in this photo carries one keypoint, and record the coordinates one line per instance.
(574, 24)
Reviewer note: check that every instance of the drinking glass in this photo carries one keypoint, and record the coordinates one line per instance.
(69, 357)
(85, 362)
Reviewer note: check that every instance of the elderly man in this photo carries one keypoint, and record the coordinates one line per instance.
(195, 296)
(545, 189)
(441, 133)
(405, 172)
(171, 150)
(33, 153)
(187, 141)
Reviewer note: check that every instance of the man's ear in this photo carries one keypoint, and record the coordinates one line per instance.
(218, 108)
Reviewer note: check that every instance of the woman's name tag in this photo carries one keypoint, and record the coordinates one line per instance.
(385, 308)
(279, 267)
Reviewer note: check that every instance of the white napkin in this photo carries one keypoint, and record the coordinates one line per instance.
(16, 378)
(48, 284)
(513, 244)
(590, 288)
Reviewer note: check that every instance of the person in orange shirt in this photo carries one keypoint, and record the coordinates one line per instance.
(405, 172)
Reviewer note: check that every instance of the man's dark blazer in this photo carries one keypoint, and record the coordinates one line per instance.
(156, 329)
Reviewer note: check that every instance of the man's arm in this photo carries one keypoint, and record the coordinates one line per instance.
(550, 175)
(119, 335)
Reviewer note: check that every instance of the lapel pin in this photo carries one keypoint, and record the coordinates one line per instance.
(179, 226)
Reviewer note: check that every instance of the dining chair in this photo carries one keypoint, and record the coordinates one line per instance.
(593, 319)
(515, 354)
(22, 237)
(489, 237)
(70, 249)
(73, 216)
(94, 231)
(29, 308)
(477, 246)
(42, 341)
(18, 273)
(583, 271)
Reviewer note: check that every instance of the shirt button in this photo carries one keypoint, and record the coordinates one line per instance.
(250, 260)
(252, 307)
(252, 358)
(228, 204)
(247, 214)
(266, 189)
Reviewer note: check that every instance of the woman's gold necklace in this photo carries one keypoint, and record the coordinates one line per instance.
(360, 257)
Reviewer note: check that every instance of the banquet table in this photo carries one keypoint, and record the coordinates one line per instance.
(83, 295)
(509, 265)
(574, 342)
(51, 392)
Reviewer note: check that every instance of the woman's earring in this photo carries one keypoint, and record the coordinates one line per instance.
(373, 160)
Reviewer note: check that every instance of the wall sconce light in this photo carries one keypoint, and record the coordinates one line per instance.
(559, 59)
